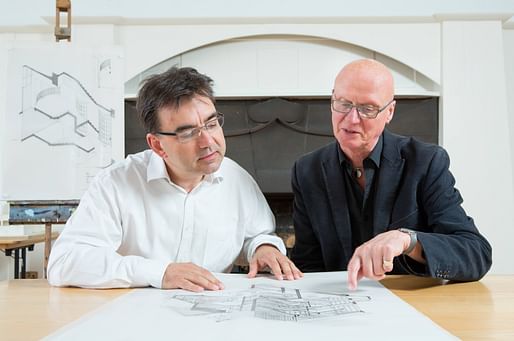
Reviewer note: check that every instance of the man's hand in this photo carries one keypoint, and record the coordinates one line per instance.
(375, 257)
(190, 277)
(280, 265)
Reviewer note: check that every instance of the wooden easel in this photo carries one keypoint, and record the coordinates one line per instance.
(62, 6)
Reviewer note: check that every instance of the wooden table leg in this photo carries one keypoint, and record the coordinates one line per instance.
(48, 245)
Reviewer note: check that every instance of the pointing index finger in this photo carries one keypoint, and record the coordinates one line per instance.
(353, 269)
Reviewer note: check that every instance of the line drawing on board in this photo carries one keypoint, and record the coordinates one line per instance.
(270, 303)
(58, 110)
(64, 110)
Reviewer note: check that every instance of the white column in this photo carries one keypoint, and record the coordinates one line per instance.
(475, 129)
(508, 45)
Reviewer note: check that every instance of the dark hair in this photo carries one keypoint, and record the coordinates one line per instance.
(168, 89)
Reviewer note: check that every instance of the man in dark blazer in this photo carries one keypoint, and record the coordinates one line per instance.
(373, 202)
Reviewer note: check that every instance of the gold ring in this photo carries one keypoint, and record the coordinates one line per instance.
(387, 263)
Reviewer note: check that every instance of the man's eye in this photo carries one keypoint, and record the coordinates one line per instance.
(187, 133)
(212, 124)
(367, 110)
(343, 106)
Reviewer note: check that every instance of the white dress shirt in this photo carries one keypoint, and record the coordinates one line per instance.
(133, 221)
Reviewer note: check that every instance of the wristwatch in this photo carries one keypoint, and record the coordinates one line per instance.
(413, 240)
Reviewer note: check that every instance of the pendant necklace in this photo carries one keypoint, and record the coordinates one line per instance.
(357, 172)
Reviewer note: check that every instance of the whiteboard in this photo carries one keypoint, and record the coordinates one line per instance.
(61, 119)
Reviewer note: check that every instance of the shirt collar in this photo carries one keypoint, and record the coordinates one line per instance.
(377, 151)
(374, 156)
(215, 177)
(157, 170)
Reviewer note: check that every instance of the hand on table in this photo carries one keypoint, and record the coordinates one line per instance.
(190, 277)
(281, 266)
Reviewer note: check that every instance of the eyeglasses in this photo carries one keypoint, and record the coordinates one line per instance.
(189, 134)
(365, 111)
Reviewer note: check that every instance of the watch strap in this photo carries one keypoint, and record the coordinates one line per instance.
(413, 240)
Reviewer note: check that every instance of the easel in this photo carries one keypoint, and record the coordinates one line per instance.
(47, 212)
(62, 6)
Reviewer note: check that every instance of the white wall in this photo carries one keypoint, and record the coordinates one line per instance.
(475, 129)
(508, 44)
(389, 39)
(35, 12)
(283, 65)
(459, 46)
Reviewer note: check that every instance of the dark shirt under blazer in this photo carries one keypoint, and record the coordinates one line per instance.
(414, 190)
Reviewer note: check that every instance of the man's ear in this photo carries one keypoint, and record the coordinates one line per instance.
(390, 112)
(155, 144)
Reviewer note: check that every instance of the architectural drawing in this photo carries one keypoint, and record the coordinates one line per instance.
(270, 303)
(58, 110)
(153, 314)
(65, 110)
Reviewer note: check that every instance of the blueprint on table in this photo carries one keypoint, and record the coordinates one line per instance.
(269, 302)
(370, 313)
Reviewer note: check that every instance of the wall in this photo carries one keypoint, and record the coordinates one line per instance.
(508, 43)
(459, 46)
(283, 65)
(475, 128)
(388, 39)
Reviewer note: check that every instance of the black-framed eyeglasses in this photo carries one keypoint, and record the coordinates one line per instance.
(189, 134)
(364, 111)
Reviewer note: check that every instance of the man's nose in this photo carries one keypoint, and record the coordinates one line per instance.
(205, 139)
(353, 115)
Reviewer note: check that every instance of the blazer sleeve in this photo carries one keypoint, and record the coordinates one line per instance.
(306, 253)
(453, 247)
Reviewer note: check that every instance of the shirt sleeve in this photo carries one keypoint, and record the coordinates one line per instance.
(85, 254)
(260, 223)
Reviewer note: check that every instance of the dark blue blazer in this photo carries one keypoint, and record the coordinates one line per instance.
(415, 190)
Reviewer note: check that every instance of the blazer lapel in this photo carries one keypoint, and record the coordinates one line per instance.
(390, 174)
(338, 203)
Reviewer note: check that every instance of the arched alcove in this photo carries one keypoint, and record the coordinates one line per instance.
(283, 65)
(274, 91)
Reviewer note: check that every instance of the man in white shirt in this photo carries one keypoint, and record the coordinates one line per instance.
(168, 216)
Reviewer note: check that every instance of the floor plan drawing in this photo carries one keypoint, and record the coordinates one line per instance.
(270, 303)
